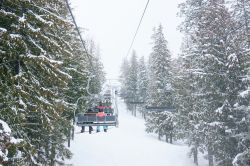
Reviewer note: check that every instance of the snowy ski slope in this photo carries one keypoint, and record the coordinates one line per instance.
(127, 145)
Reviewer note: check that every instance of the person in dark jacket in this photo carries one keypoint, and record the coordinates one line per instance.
(91, 113)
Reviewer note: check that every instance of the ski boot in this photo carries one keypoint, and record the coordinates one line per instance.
(83, 129)
(90, 129)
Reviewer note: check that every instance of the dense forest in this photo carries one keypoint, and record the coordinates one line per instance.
(48, 74)
(45, 78)
(205, 90)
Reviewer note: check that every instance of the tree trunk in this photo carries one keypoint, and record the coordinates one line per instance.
(135, 111)
(159, 136)
(73, 133)
(196, 155)
(171, 137)
(53, 156)
(166, 137)
(69, 139)
(210, 157)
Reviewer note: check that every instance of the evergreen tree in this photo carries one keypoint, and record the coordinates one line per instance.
(78, 67)
(241, 14)
(160, 89)
(33, 48)
(217, 70)
(185, 103)
(159, 71)
(142, 84)
(132, 84)
(98, 75)
(124, 79)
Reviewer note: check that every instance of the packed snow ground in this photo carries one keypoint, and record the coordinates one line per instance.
(127, 145)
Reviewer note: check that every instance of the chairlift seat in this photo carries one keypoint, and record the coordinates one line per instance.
(87, 119)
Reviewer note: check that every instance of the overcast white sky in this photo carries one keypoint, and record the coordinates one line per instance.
(112, 24)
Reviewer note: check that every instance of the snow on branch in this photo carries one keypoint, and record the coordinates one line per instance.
(8, 13)
(5, 141)
(15, 36)
(245, 93)
(53, 14)
(38, 17)
(42, 58)
(4, 128)
(240, 158)
(211, 56)
(2, 31)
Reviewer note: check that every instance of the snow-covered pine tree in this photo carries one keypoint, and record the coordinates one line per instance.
(218, 76)
(142, 84)
(98, 75)
(32, 50)
(79, 69)
(132, 84)
(124, 78)
(221, 82)
(185, 100)
(159, 71)
(241, 14)
(160, 87)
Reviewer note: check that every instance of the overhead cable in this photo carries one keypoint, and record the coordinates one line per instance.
(83, 44)
(131, 45)
(78, 31)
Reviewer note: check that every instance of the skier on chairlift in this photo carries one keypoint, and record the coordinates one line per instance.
(90, 127)
(101, 114)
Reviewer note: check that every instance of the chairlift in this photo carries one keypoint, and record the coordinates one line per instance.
(90, 118)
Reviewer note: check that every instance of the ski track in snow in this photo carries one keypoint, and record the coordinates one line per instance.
(127, 145)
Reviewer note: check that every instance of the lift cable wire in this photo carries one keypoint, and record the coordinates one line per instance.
(131, 45)
(84, 47)
(78, 31)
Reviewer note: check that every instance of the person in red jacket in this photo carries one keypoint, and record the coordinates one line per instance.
(101, 114)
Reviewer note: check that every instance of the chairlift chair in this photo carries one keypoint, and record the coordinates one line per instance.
(90, 119)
